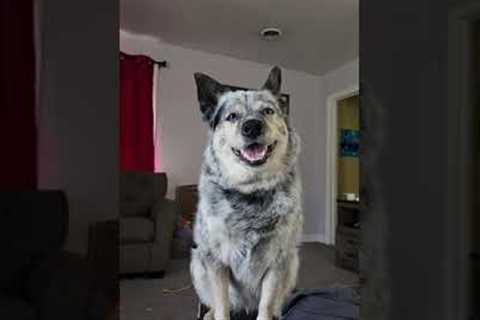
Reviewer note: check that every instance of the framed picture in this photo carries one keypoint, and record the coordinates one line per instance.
(284, 98)
(349, 143)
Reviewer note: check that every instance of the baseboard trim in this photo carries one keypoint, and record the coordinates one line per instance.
(315, 237)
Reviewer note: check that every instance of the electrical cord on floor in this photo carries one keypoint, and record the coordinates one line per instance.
(176, 291)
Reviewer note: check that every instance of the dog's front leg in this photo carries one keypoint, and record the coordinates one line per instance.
(271, 297)
(218, 278)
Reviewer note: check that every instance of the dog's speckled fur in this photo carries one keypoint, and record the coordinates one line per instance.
(249, 218)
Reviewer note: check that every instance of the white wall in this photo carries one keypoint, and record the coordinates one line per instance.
(338, 80)
(342, 79)
(77, 115)
(183, 134)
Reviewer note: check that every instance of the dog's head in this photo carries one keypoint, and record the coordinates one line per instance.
(249, 129)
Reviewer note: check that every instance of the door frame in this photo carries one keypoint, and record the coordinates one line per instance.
(459, 154)
(331, 160)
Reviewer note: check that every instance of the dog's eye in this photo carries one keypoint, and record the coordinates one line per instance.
(232, 117)
(268, 111)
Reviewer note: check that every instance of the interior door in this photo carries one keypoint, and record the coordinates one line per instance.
(475, 212)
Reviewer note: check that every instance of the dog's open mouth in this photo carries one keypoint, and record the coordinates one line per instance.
(255, 154)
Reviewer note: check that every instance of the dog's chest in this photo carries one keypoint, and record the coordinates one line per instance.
(245, 216)
(229, 244)
(240, 222)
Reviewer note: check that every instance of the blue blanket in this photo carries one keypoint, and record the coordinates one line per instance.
(323, 304)
(318, 304)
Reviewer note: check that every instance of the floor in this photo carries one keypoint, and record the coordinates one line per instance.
(172, 298)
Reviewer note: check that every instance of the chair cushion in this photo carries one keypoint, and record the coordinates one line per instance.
(138, 192)
(136, 230)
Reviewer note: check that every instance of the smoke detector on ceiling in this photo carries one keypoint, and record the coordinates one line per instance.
(271, 33)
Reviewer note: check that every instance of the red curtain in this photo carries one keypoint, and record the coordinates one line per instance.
(18, 137)
(136, 113)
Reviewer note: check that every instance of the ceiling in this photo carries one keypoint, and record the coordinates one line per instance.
(318, 35)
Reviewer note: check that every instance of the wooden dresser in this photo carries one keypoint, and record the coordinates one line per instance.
(186, 199)
(347, 240)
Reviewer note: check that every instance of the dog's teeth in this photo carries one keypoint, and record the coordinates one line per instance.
(254, 154)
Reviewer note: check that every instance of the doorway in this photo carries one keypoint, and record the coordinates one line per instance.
(348, 184)
(347, 231)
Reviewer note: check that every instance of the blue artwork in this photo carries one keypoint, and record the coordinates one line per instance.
(349, 143)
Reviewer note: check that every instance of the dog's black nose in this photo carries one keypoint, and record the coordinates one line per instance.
(252, 128)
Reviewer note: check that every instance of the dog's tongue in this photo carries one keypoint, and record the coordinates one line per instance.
(254, 152)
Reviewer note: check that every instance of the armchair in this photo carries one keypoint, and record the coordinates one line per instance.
(147, 223)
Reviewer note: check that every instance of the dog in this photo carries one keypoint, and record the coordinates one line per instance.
(249, 219)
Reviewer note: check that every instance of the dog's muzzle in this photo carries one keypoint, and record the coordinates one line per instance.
(253, 128)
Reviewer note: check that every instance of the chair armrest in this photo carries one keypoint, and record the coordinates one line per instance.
(14, 308)
(165, 217)
(61, 288)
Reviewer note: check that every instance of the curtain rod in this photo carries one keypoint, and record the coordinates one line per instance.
(161, 64)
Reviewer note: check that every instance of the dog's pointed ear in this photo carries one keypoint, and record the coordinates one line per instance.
(274, 81)
(208, 91)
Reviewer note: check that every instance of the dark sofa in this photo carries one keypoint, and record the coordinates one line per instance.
(38, 279)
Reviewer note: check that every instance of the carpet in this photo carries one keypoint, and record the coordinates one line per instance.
(173, 298)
